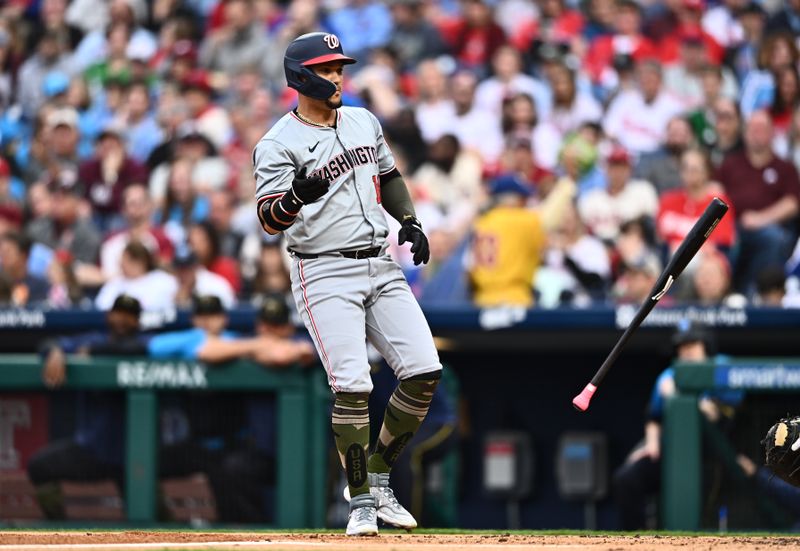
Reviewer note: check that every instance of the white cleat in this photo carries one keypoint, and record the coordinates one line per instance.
(363, 516)
(389, 509)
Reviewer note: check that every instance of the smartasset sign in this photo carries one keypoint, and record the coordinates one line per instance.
(147, 374)
(773, 376)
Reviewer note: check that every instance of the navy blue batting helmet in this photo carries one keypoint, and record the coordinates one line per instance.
(312, 49)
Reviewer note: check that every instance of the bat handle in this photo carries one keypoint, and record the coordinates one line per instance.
(581, 401)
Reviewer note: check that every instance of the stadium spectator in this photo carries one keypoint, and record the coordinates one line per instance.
(477, 130)
(679, 209)
(743, 57)
(142, 132)
(106, 176)
(181, 205)
(787, 145)
(434, 109)
(451, 180)
(473, 36)
(625, 38)
(711, 279)
(662, 166)
(578, 163)
(638, 118)
(776, 52)
(702, 118)
(785, 19)
(209, 118)
(272, 274)
(605, 209)
(765, 193)
(727, 130)
(63, 228)
(221, 210)
(137, 209)
(721, 23)
(507, 247)
(204, 241)
(94, 452)
(413, 38)
(683, 78)
(786, 100)
(26, 289)
(508, 80)
(576, 268)
(238, 43)
(639, 477)
(571, 107)
(139, 277)
(361, 26)
(638, 276)
(195, 280)
(770, 288)
(58, 158)
(48, 59)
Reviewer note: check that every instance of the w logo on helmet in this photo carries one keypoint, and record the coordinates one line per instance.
(331, 40)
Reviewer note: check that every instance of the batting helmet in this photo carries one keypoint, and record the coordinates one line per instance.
(312, 49)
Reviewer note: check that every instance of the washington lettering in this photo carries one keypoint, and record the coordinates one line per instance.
(345, 162)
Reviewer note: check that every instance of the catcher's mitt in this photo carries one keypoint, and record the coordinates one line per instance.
(782, 444)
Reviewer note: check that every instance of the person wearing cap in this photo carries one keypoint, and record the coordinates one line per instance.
(639, 477)
(507, 247)
(209, 118)
(94, 452)
(683, 78)
(107, 174)
(59, 159)
(605, 209)
(637, 278)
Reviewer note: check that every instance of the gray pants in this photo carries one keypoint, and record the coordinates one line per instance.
(345, 301)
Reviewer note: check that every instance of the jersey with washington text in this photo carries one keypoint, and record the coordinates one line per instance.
(352, 156)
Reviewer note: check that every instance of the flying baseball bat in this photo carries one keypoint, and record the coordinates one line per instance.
(686, 251)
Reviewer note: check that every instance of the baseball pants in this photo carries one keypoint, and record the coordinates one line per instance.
(345, 301)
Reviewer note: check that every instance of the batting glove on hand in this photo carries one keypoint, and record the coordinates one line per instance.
(308, 190)
(411, 231)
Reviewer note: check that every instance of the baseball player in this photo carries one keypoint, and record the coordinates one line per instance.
(322, 174)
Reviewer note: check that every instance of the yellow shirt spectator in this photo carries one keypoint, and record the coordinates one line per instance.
(507, 248)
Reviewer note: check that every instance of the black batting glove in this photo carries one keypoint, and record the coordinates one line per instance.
(411, 231)
(308, 190)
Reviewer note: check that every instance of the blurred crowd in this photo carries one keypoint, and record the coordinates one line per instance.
(557, 150)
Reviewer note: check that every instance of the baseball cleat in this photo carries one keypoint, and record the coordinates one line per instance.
(363, 519)
(389, 509)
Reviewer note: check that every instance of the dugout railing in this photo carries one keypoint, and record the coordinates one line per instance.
(302, 399)
(683, 425)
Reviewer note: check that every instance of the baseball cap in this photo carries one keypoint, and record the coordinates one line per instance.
(65, 116)
(127, 303)
(5, 168)
(694, 4)
(198, 80)
(273, 310)
(140, 49)
(689, 331)
(509, 183)
(184, 49)
(618, 154)
(184, 257)
(55, 83)
(112, 128)
(206, 305)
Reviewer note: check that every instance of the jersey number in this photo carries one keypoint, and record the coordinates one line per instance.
(377, 182)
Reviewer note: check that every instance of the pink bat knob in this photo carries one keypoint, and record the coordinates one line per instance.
(581, 401)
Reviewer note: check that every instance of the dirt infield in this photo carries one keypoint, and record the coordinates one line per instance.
(19, 541)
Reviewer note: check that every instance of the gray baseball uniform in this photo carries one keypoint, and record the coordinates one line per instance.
(344, 301)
